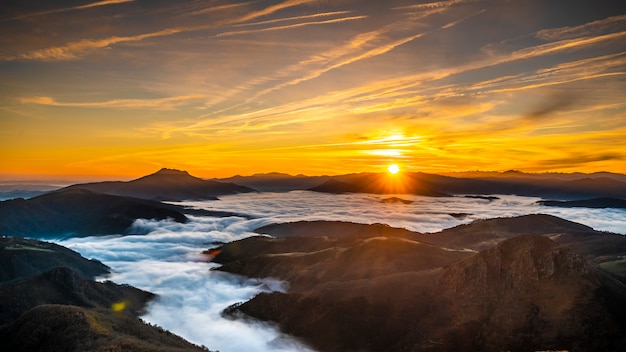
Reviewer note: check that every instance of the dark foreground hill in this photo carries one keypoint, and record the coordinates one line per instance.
(373, 292)
(166, 184)
(49, 302)
(78, 212)
(23, 258)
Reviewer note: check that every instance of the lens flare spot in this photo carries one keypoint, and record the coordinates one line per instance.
(119, 306)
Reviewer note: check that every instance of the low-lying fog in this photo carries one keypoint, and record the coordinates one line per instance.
(168, 261)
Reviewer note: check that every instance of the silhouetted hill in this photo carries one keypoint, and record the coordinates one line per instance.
(76, 212)
(166, 184)
(405, 183)
(364, 291)
(62, 328)
(276, 182)
(482, 234)
(21, 258)
(61, 285)
(536, 185)
(334, 229)
(586, 203)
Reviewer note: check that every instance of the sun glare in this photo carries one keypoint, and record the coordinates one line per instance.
(393, 168)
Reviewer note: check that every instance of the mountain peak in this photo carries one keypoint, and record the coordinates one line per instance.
(171, 172)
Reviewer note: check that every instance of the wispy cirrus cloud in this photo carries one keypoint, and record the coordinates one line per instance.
(67, 9)
(587, 29)
(288, 26)
(432, 5)
(77, 49)
(160, 103)
(294, 18)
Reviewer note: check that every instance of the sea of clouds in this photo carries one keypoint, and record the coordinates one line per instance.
(168, 259)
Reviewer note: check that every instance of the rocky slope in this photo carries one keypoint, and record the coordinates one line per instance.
(368, 292)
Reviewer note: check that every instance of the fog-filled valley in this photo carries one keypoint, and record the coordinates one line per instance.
(166, 257)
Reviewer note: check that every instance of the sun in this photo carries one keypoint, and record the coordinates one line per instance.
(393, 169)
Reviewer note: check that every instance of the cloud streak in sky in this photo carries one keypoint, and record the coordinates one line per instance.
(288, 26)
(162, 103)
(67, 9)
(75, 50)
(233, 82)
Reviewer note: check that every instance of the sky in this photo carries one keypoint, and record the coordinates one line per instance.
(116, 89)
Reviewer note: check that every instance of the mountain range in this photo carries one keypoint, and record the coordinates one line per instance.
(534, 282)
(165, 185)
(574, 186)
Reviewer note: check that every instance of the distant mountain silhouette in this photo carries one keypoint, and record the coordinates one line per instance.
(48, 302)
(276, 182)
(366, 290)
(405, 183)
(587, 203)
(537, 185)
(77, 212)
(165, 184)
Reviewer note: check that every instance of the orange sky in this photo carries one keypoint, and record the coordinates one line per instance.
(119, 89)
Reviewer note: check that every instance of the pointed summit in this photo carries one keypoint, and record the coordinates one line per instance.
(167, 184)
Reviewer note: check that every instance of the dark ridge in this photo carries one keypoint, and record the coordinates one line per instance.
(63, 286)
(392, 200)
(571, 186)
(61, 328)
(78, 212)
(166, 185)
(481, 234)
(408, 183)
(334, 229)
(22, 258)
(276, 182)
(587, 203)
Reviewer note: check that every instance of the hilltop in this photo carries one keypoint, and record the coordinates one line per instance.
(79, 212)
(165, 185)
